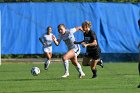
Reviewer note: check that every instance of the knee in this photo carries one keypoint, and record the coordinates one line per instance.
(48, 57)
(64, 58)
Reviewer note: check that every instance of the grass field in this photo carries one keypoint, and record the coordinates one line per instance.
(113, 78)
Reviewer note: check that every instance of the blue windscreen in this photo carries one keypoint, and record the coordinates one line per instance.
(116, 25)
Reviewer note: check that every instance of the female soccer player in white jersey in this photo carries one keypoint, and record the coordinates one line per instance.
(73, 49)
(46, 40)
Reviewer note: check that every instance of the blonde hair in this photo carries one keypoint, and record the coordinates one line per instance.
(87, 23)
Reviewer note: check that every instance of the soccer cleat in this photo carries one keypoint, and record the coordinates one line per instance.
(65, 75)
(100, 63)
(94, 76)
(138, 86)
(81, 75)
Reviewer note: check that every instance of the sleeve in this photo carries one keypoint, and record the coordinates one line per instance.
(93, 35)
(73, 30)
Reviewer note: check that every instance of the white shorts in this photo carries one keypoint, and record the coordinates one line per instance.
(47, 49)
(77, 51)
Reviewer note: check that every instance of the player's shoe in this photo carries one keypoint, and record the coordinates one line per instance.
(138, 86)
(94, 76)
(65, 75)
(81, 75)
(100, 63)
(45, 66)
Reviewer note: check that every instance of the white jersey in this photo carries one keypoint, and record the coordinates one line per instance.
(47, 39)
(69, 39)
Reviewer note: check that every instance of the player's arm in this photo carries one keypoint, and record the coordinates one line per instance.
(79, 28)
(75, 42)
(56, 41)
(75, 29)
(40, 39)
(94, 43)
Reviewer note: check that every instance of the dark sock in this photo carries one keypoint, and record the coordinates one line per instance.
(94, 71)
(139, 86)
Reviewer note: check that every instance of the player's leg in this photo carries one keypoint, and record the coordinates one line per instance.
(48, 56)
(86, 61)
(93, 68)
(77, 66)
(100, 63)
(139, 72)
(139, 63)
(96, 57)
(65, 59)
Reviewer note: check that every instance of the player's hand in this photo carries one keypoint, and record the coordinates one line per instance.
(53, 38)
(80, 28)
(84, 44)
(44, 44)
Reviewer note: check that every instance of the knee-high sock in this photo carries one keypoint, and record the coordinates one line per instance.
(47, 62)
(94, 71)
(66, 66)
(79, 68)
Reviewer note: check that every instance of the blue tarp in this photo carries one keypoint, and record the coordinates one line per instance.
(116, 25)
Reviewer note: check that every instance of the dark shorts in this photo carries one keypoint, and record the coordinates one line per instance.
(94, 54)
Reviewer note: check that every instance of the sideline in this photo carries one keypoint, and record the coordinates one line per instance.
(33, 60)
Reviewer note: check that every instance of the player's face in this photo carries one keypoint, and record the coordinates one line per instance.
(85, 28)
(50, 30)
(61, 30)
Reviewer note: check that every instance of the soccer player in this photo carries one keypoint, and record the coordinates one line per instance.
(139, 63)
(46, 40)
(73, 49)
(92, 55)
(139, 53)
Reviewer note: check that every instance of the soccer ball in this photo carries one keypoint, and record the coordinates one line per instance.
(35, 71)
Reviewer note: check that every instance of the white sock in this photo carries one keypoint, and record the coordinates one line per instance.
(47, 62)
(66, 66)
(79, 68)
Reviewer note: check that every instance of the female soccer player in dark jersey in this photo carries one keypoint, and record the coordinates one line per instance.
(92, 56)
(139, 53)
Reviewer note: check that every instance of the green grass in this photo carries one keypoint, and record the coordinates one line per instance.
(113, 78)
